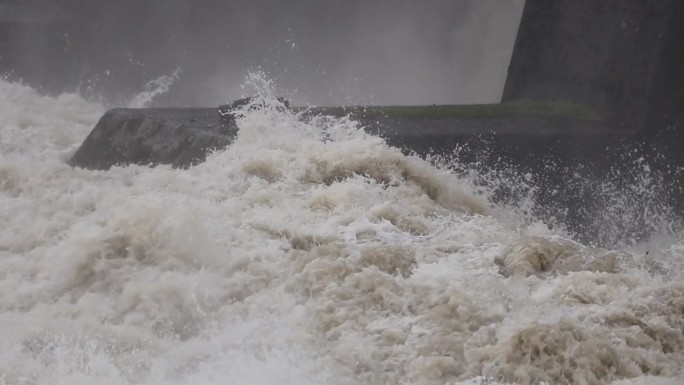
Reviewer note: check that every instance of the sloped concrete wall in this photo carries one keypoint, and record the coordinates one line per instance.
(180, 137)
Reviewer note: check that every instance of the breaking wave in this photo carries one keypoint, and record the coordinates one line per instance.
(307, 252)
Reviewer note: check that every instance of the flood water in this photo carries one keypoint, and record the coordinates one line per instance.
(307, 252)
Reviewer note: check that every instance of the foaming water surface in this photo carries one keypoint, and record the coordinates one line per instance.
(308, 252)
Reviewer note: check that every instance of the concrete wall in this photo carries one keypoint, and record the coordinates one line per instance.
(624, 57)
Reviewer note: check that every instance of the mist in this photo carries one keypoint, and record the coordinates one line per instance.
(319, 53)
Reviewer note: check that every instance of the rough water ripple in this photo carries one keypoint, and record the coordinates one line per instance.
(308, 252)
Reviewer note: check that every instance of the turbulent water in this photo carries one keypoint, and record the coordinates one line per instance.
(305, 253)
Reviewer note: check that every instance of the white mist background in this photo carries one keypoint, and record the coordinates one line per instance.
(324, 53)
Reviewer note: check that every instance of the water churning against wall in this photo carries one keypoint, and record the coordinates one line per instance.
(308, 252)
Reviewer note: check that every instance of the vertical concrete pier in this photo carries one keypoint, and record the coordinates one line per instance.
(623, 57)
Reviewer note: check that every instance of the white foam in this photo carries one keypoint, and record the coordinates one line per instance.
(303, 253)
(153, 89)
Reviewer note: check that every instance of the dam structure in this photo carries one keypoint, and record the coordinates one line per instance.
(584, 75)
(624, 58)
